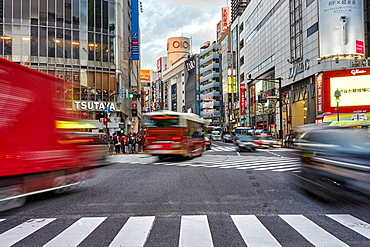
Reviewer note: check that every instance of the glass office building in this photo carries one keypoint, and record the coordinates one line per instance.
(83, 41)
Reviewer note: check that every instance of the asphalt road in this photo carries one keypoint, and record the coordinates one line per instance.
(223, 198)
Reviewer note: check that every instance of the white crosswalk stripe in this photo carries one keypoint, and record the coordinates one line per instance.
(134, 232)
(76, 233)
(260, 163)
(194, 230)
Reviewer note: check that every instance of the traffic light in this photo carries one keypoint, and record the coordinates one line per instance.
(289, 121)
(131, 95)
(105, 121)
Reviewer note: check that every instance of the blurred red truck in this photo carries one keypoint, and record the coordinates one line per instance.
(36, 153)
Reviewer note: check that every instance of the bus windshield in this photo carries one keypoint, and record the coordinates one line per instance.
(162, 121)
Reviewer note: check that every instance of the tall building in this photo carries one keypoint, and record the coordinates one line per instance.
(210, 86)
(237, 8)
(87, 42)
(296, 44)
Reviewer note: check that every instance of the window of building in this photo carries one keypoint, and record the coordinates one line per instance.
(311, 30)
(241, 60)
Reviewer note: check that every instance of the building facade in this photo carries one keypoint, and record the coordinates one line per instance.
(84, 41)
(279, 41)
(210, 86)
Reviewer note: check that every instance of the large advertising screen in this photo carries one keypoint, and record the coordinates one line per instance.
(341, 27)
(354, 88)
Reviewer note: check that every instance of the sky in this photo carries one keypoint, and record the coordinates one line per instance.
(163, 19)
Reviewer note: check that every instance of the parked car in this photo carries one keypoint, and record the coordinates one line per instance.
(335, 159)
(244, 143)
(207, 143)
(228, 138)
(266, 141)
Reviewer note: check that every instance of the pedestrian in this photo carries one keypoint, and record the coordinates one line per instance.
(117, 144)
(126, 144)
(122, 146)
(132, 143)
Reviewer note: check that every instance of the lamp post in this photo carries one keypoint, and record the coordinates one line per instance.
(275, 80)
(337, 95)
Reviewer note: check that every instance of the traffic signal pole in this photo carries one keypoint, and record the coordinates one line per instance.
(106, 120)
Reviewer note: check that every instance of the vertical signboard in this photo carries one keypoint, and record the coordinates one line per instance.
(229, 81)
(135, 55)
(242, 99)
(341, 27)
(225, 18)
(253, 98)
(319, 93)
(174, 97)
(190, 84)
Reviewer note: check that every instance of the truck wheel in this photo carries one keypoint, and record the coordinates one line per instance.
(11, 191)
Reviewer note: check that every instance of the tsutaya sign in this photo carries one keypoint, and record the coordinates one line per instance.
(94, 105)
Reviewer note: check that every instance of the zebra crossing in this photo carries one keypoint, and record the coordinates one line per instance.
(258, 163)
(193, 230)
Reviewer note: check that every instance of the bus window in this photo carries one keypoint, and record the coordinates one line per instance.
(162, 121)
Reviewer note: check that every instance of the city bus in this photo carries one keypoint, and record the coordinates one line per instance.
(169, 133)
(242, 131)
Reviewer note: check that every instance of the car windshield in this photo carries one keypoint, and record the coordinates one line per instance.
(227, 136)
(244, 138)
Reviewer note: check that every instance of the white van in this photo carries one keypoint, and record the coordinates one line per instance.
(216, 136)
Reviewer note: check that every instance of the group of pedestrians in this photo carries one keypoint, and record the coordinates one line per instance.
(131, 143)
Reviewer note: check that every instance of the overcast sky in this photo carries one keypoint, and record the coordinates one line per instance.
(163, 19)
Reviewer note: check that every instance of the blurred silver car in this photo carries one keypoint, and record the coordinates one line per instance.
(336, 159)
(244, 143)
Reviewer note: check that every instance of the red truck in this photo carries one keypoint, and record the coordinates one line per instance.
(37, 154)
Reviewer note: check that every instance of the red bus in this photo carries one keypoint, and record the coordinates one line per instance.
(171, 133)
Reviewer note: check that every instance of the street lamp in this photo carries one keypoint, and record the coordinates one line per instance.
(275, 80)
(337, 95)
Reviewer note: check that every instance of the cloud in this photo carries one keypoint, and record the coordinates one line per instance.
(163, 19)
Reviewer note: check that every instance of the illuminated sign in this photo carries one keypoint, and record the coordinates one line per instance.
(242, 99)
(94, 105)
(319, 93)
(355, 90)
(341, 27)
(145, 74)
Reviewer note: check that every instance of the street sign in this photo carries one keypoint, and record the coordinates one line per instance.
(273, 97)
(107, 110)
(134, 105)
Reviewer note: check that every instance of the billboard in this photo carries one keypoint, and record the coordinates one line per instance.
(145, 74)
(353, 85)
(341, 27)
